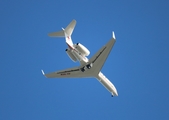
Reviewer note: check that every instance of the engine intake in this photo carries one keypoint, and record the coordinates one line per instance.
(71, 56)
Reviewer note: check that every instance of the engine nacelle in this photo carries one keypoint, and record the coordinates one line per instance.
(82, 49)
(71, 56)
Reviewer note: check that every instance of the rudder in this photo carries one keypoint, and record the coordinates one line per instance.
(69, 29)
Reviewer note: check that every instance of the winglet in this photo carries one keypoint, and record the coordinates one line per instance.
(113, 35)
(42, 72)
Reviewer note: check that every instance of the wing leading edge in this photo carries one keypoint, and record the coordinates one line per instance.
(67, 73)
(100, 57)
(97, 61)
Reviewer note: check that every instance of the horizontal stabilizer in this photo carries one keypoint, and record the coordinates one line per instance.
(57, 34)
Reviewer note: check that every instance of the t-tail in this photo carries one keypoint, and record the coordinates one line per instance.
(67, 32)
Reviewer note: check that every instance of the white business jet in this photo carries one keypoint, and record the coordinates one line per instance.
(88, 67)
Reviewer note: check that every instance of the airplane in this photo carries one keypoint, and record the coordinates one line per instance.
(89, 68)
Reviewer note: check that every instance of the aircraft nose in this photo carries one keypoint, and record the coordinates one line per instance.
(115, 93)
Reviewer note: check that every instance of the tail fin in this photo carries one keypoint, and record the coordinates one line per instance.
(67, 32)
(64, 32)
(69, 29)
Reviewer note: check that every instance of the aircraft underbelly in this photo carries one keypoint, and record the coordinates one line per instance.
(79, 56)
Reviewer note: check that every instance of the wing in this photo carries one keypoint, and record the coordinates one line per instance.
(100, 57)
(68, 73)
(97, 61)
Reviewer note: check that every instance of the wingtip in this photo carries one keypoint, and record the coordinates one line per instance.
(42, 72)
(113, 35)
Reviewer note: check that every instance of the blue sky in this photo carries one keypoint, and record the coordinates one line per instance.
(138, 65)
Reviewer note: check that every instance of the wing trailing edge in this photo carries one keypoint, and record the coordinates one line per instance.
(97, 62)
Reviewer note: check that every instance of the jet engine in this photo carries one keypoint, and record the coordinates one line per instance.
(82, 49)
(71, 56)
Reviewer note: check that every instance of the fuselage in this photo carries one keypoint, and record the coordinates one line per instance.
(107, 84)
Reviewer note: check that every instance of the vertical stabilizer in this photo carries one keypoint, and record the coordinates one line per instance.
(67, 32)
(57, 34)
(69, 29)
